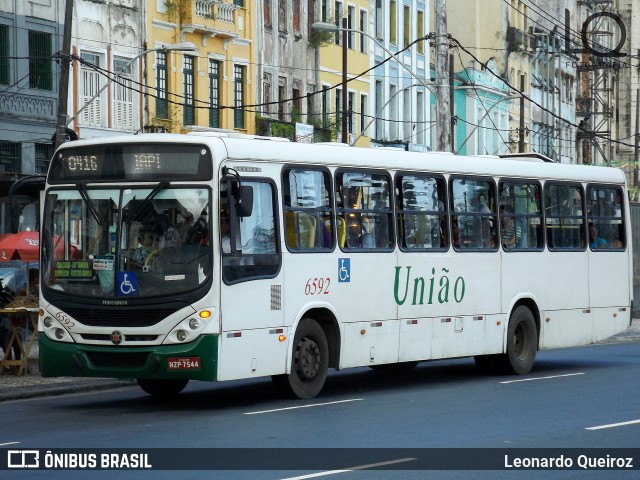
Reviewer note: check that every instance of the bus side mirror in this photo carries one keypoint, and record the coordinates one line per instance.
(244, 206)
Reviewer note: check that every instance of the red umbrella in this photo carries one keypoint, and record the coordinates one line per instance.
(23, 246)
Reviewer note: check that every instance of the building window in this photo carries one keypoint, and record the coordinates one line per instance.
(379, 19)
(324, 14)
(352, 101)
(10, 157)
(297, 103)
(351, 34)
(123, 109)
(296, 16)
(311, 15)
(422, 126)
(239, 3)
(44, 152)
(407, 26)
(282, 15)
(238, 96)
(267, 13)
(310, 102)
(393, 20)
(188, 109)
(363, 114)
(266, 95)
(161, 85)
(363, 31)
(420, 30)
(338, 20)
(214, 93)
(406, 107)
(393, 113)
(325, 105)
(378, 106)
(282, 94)
(90, 86)
(4, 55)
(40, 71)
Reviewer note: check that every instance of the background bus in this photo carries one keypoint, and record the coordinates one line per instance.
(174, 257)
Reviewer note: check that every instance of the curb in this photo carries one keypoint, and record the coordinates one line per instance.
(54, 389)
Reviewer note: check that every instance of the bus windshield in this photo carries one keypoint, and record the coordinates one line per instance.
(141, 241)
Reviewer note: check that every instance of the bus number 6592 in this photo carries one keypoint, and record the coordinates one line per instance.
(317, 286)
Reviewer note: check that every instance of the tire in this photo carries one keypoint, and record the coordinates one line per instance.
(522, 343)
(309, 362)
(163, 388)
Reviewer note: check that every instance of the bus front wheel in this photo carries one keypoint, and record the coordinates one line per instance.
(164, 387)
(522, 343)
(309, 362)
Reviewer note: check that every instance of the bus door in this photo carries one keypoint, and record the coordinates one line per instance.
(252, 333)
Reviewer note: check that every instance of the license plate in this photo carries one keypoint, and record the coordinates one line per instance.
(183, 363)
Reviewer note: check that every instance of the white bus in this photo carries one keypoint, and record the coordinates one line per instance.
(168, 257)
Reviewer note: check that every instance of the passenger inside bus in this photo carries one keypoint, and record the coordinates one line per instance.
(595, 241)
(225, 241)
(511, 232)
(357, 236)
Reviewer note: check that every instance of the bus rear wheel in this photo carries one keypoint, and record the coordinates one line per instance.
(309, 362)
(522, 343)
(164, 387)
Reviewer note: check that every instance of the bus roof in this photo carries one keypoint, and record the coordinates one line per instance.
(255, 148)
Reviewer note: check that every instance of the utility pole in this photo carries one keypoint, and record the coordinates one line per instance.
(452, 105)
(443, 105)
(521, 129)
(63, 86)
(636, 149)
(345, 105)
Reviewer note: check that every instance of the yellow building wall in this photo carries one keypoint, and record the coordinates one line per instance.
(331, 56)
(220, 31)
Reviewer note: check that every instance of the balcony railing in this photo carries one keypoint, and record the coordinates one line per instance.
(215, 9)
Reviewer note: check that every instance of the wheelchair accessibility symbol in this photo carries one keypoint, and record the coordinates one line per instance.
(127, 284)
(344, 270)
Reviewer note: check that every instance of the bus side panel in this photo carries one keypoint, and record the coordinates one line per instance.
(370, 343)
(610, 295)
(451, 296)
(252, 353)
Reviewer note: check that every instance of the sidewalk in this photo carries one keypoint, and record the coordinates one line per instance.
(13, 387)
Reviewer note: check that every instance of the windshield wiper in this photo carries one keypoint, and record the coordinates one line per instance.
(144, 205)
(87, 201)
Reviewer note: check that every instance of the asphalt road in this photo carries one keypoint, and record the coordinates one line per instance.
(581, 398)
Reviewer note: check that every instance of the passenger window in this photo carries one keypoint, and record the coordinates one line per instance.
(308, 216)
(605, 214)
(520, 216)
(364, 210)
(421, 212)
(474, 214)
(254, 251)
(564, 214)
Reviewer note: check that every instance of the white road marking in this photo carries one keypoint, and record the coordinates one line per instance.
(613, 425)
(350, 469)
(303, 406)
(543, 378)
(8, 443)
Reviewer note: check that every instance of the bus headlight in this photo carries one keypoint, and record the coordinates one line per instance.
(48, 322)
(181, 335)
(59, 333)
(53, 329)
(193, 324)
